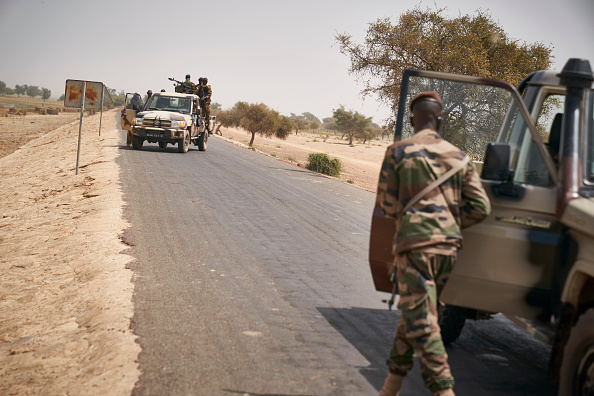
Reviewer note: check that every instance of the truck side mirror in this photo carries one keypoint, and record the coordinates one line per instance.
(497, 159)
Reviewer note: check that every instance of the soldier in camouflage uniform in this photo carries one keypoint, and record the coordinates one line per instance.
(204, 92)
(427, 239)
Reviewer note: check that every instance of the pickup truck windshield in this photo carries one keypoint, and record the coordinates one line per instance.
(170, 103)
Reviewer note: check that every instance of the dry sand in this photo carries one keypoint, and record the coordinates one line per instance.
(65, 290)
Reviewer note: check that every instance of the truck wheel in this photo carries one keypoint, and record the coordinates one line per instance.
(163, 145)
(203, 141)
(184, 144)
(577, 368)
(451, 320)
(137, 142)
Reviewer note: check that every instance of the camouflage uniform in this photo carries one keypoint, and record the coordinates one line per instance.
(205, 91)
(426, 243)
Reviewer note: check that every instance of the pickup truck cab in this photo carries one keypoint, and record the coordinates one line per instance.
(166, 118)
(533, 257)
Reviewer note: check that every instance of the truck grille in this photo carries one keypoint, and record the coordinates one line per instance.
(156, 123)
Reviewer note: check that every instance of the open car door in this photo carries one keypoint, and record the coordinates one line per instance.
(507, 261)
(133, 104)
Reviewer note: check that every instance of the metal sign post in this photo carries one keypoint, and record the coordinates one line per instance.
(83, 94)
(105, 98)
(82, 111)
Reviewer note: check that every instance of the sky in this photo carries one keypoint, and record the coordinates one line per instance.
(280, 53)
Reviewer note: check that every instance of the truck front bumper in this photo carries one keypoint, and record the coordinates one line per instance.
(158, 133)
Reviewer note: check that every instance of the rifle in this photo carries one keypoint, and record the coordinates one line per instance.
(183, 87)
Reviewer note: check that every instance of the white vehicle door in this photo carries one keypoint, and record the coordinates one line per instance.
(133, 104)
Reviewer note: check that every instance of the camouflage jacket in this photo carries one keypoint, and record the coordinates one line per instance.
(204, 91)
(438, 217)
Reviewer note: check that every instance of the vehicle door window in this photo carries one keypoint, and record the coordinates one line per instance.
(527, 161)
(549, 122)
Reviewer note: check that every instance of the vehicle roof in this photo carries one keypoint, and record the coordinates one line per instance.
(547, 77)
(174, 94)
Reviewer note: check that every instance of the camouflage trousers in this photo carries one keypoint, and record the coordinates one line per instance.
(421, 276)
(205, 112)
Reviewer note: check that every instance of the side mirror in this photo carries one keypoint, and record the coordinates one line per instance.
(497, 159)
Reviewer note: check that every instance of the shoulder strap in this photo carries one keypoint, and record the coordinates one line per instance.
(436, 183)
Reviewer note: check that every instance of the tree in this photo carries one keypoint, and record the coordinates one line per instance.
(33, 91)
(46, 93)
(2, 87)
(428, 40)
(351, 124)
(62, 97)
(20, 89)
(310, 117)
(8, 91)
(329, 123)
(299, 122)
(256, 119)
(215, 107)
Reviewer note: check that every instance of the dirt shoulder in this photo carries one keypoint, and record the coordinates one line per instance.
(65, 290)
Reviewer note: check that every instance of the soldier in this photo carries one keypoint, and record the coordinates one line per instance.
(204, 92)
(188, 86)
(427, 238)
(149, 93)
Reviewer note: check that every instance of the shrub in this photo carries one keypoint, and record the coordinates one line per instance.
(321, 163)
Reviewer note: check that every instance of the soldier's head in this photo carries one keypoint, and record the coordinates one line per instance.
(149, 92)
(187, 78)
(200, 80)
(205, 80)
(426, 111)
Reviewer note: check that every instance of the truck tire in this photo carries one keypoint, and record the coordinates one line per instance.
(137, 142)
(577, 368)
(184, 144)
(451, 320)
(203, 141)
(163, 145)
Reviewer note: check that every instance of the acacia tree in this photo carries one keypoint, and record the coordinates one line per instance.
(21, 89)
(46, 93)
(256, 119)
(33, 91)
(351, 123)
(428, 40)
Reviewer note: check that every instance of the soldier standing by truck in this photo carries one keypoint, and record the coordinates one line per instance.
(204, 92)
(427, 239)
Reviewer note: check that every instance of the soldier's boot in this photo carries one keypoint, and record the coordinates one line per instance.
(445, 392)
(392, 385)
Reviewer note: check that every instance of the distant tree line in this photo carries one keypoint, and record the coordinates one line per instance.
(259, 119)
(31, 91)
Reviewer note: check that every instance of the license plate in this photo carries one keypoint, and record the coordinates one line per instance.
(153, 135)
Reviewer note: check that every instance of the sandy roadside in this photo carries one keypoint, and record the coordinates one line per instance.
(65, 291)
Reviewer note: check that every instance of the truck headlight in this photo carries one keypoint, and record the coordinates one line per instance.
(178, 124)
(137, 120)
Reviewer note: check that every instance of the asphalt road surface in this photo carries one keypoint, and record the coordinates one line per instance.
(251, 278)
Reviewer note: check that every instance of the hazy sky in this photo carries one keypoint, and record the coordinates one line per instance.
(281, 53)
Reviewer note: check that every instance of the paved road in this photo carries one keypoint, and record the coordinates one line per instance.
(251, 278)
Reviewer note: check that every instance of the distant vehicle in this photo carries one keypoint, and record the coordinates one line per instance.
(533, 257)
(167, 118)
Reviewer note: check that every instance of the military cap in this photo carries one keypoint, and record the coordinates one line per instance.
(427, 95)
